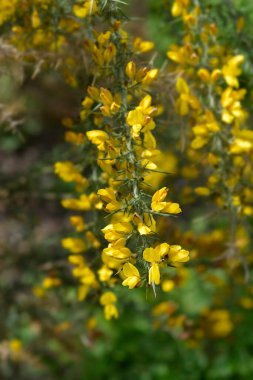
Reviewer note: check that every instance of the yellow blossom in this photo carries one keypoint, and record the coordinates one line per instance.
(16, 347)
(110, 104)
(111, 312)
(153, 256)
(118, 251)
(145, 226)
(140, 118)
(231, 70)
(177, 255)
(183, 55)
(98, 138)
(87, 277)
(232, 109)
(68, 172)
(82, 292)
(94, 242)
(108, 196)
(76, 260)
(108, 300)
(179, 6)
(86, 8)
(141, 46)
(35, 19)
(78, 222)
(82, 204)
(220, 323)
(132, 276)
(104, 273)
(74, 138)
(186, 99)
(159, 205)
(131, 70)
(51, 282)
(168, 285)
(203, 191)
(74, 245)
(116, 231)
(150, 77)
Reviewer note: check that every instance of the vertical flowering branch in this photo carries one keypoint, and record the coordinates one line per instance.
(119, 155)
(210, 101)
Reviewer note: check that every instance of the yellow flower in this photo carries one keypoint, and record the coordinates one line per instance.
(179, 6)
(67, 122)
(159, 205)
(82, 292)
(232, 109)
(76, 260)
(15, 346)
(242, 142)
(140, 118)
(103, 38)
(202, 191)
(186, 99)
(141, 46)
(111, 312)
(132, 276)
(183, 55)
(153, 256)
(94, 93)
(108, 195)
(104, 273)
(220, 322)
(131, 70)
(88, 7)
(82, 204)
(137, 118)
(150, 77)
(74, 245)
(204, 130)
(208, 77)
(7, 9)
(177, 255)
(35, 19)
(116, 231)
(51, 282)
(239, 146)
(68, 172)
(95, 243)
(231, 71)
(145, 226)
(74, 138)
(110, 105)
(88, 277)
(78, 222)
(107, 300)
(118, 251)
(98, 138)
(165, 307)
(168, 285)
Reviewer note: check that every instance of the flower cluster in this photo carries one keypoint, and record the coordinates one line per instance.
(210, 101)
(122, 151)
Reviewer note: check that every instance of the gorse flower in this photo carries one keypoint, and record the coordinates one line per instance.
(132, 276)
(159, 205)
(85, 8)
